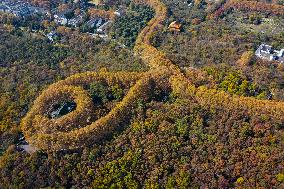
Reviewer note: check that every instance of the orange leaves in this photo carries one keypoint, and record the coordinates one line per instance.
(242, 5)
(101, 13)
(71, 130)
(246, 58)
(143, 47)
(211, 98)
(257, 6)
(63, 7)
(74, 130)
(41, 3)
(195, 21)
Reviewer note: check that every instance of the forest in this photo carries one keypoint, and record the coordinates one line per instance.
(188, 109)
(29, 64)
(127, 28)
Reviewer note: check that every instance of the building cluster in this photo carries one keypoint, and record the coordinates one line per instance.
(98, 25)
(20, 8)
(268, 53)
(97, 22)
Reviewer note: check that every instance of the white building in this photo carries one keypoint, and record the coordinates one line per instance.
(119, 12)
(60, 19)
(267, 52)
(76, 21)
(103, 28)
(51, 35)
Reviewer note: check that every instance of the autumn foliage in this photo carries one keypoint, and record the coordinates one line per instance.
(143, 46)
(74, 130)
(212, 98)
(256, 6)
(101, 13)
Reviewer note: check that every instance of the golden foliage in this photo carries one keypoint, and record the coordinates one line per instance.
(246, 58)
(101, 13)
(73, 130)
(213, 98)
(243, 5)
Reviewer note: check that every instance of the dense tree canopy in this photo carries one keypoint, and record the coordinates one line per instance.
(207, 114)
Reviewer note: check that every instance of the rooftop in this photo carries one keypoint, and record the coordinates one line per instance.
(267, 52)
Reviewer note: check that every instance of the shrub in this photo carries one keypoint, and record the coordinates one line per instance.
(240, 180)
(280, 177)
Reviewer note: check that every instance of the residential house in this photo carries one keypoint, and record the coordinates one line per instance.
(94, 22)
(119, 12)
(75, 22)
(20, 8)
(4, 8)
(51, 35)
(38, 10)
(99, 23)
(91, 23)
(280, 56)
(21, 11)
(267, 52)
(103, 28)
(60, 19)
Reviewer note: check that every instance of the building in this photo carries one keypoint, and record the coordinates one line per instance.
(20, 8)
(60, 16)
(99, 23)
(95, 22)
(103, 28)
(91, 23)
(75, 22)
(21, 11)
(38, 10)
(119, 12)
(268, 53)
(4, 8)
(175, 26)
(60, 19)
(51, 35)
